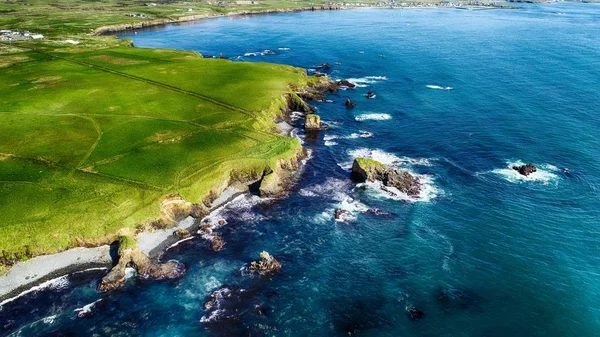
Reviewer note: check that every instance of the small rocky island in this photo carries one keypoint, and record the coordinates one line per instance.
(364, 169)
(525, 170)
(265, 265)
(313, 123)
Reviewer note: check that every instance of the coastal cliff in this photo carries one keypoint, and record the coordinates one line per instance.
(269, 177)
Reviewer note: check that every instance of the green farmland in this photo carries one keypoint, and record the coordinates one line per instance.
(92, 140)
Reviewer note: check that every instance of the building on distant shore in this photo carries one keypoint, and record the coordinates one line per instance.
(246, 2)
(10, 35)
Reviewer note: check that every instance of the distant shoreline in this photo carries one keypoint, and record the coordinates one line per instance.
(119, 28)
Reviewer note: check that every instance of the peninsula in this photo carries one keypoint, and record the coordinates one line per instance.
(95, 135)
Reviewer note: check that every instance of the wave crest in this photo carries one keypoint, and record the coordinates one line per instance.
(373, 116)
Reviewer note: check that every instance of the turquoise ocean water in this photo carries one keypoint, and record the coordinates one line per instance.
(482, 252)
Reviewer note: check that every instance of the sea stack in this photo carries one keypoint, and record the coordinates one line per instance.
(313, 122)
(346, 84)
(350, 104)
(525, 170)
(364, 169)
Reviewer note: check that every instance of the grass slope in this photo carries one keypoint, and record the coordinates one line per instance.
(91, 141)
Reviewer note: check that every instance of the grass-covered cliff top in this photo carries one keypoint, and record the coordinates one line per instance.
(94, 136)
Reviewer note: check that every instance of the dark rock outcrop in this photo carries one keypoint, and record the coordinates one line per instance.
(379, 212)
(526, 169)
(316, 91)
(131, 256)
(217, 242)
(181, 234)
(414, 313)
(215, 239)
(342, 215)
(350, 104)
(265, 265)
(370, 94)
(370, 170)
(324, 66)
(346, 84)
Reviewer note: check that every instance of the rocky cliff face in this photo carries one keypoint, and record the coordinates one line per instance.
(276, 182)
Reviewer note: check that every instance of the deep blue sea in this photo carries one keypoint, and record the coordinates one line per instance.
(461, 95)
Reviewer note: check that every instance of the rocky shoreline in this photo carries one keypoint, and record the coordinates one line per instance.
(160, 234)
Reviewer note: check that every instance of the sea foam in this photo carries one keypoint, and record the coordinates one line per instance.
(545, 173)
(373, 116)
(438, 87)
(363, 82)
(58, 283)
(387, 158)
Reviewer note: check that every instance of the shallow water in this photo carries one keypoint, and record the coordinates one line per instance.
(461, 96)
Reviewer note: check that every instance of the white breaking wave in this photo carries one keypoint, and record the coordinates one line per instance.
(360, 134)
(261, 53)
(331, 187)
(330, 143)
(350, 204)
(438, 87)
(373, 116)
(363, 82)
(86, 309)
(428, 190)
(386, 158)
(130, 273)
(213, 316)
(49, 319)
(544, 173)
(58, 283)
(284, 48)
(212, 284)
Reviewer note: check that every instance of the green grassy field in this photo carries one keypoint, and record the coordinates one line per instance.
(94, 135)
(91, 141)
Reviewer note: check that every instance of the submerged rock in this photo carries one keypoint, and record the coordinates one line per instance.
(379, 212)
(346, 84)
(449, 297)
(370, 94)
(414, 313)
(364, 169)
(131, 256)
(217, 242)
(265, 265)
(342, 215)
(324, 66)
(349, 103)
(526, 169)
